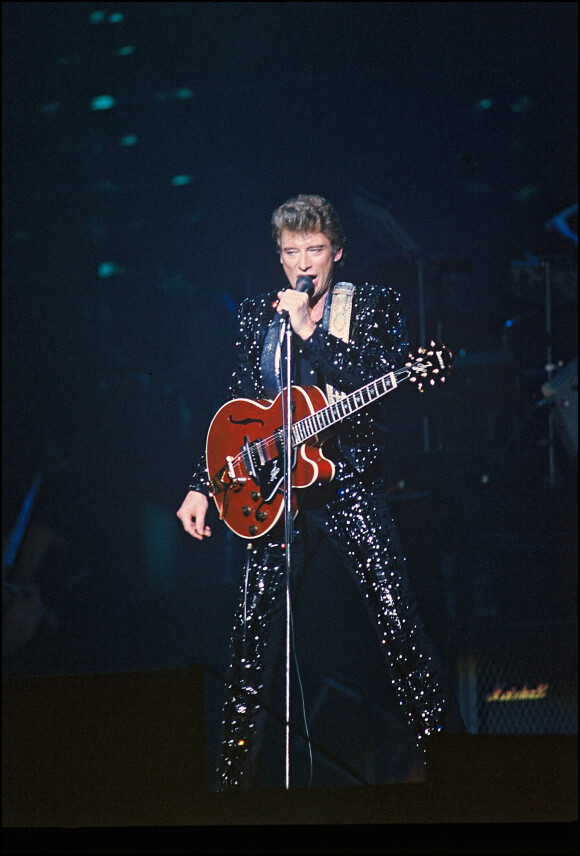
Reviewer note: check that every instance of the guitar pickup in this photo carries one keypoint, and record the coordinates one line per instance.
(246, 453)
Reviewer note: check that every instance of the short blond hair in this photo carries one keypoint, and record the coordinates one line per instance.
(308, 213)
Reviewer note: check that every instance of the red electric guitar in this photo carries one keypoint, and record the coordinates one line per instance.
(245, 442)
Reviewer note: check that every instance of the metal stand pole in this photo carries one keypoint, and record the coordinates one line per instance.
(549, 372)
(288, 525)
(422, 339)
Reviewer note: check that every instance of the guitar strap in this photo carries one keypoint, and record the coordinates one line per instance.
(338, 324)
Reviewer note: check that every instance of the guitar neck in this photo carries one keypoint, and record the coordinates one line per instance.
(325, 418)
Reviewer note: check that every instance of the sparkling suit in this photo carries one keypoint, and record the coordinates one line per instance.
(352, 510)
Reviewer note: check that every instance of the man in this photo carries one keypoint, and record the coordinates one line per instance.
(343, 338)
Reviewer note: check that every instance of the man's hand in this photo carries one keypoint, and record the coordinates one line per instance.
(192, 515)
(296, 304)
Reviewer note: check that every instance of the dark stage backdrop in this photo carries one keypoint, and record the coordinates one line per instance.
(145, 146)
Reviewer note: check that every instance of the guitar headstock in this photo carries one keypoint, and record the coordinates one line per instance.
(430, 366)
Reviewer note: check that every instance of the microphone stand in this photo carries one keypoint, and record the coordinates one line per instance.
(288, 522)
(304, 284)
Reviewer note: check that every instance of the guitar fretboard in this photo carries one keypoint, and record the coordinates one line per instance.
(317, 422)
(254, 457)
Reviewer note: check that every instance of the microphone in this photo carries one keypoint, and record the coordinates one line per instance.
(305, 284)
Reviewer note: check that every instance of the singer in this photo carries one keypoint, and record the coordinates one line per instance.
(343, 337)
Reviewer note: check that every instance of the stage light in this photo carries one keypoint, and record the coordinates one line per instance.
(108, 269)
(181, 180)
(102, 102)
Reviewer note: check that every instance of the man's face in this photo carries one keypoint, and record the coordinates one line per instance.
(308, 254)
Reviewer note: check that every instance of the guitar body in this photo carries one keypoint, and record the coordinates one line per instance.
(245, 460)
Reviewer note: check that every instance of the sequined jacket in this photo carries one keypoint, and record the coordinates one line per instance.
(377, 345)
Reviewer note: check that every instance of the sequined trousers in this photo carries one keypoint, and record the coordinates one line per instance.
(357, 517)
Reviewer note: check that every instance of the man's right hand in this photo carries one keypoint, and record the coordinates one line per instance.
(192, 514)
